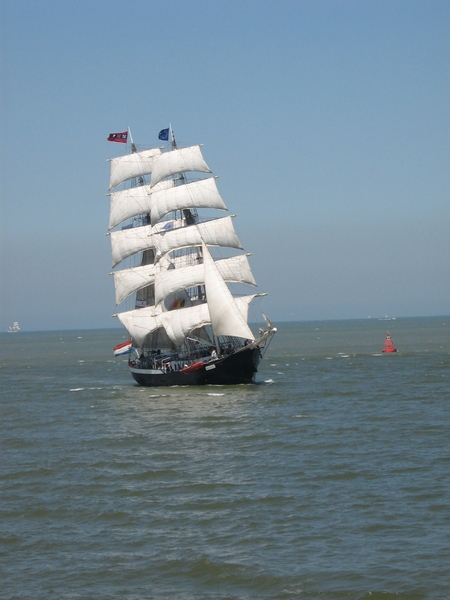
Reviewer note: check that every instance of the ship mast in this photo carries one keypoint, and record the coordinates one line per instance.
(189, 216)
(146, 294)
(134, 150)
(187, 213)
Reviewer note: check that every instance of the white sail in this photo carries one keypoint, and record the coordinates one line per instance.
(133, 165)
(140, 322)
(184, 294)
(129, 241)
(14, 328)
(128, 281)
(179, 323)
(233, 269)
(128, 203)
(226, 316)
(198, 194)
(178, 161)
(243, 303)
(217, 232)
(132, 202)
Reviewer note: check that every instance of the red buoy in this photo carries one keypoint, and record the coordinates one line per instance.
(388, 344)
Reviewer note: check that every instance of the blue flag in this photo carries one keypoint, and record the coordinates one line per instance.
(164, 135)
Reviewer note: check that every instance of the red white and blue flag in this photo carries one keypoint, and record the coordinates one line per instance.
(118, 137)
(124, 348)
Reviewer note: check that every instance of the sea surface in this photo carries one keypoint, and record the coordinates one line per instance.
(329, 478)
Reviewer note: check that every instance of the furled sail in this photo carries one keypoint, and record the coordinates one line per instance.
(178, 161)
(198, 194)
(132, 165)
(217, 232)
(134, 201)
(128, 281)
(226, 317)
(233, 269)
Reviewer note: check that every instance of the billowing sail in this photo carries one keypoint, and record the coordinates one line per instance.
(132, 165)
(140, 322)
(198, 194)
(134, 201)
(233, 269)
(179, 323)
(226, 316)
(128, 281)
(243, 303)
(217, 232)
(129, 241)
(178, 161)
(167, 223)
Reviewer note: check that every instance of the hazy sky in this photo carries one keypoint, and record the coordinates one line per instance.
(327, 121)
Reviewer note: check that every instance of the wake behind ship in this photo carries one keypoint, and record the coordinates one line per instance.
(186, 327)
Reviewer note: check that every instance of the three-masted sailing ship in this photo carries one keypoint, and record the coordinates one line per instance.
(186, 327)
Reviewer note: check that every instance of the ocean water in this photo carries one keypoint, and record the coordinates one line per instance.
(329, 478)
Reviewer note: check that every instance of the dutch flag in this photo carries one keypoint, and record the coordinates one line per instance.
(124, 348)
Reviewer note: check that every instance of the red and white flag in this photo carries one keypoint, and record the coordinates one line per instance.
(118, 137)
(124, 348)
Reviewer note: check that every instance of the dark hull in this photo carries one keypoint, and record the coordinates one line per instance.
(236, 368)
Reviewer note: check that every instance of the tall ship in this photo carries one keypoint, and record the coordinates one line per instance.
(179, 261)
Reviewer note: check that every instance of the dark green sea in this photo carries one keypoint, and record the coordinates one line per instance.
(329, 478)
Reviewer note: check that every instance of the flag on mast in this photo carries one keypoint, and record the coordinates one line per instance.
(164, 134)
(118, 137)
(124, 348)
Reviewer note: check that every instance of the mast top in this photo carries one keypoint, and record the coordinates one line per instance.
(172, 138)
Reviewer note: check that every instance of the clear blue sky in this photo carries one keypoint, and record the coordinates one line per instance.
(327, 121)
